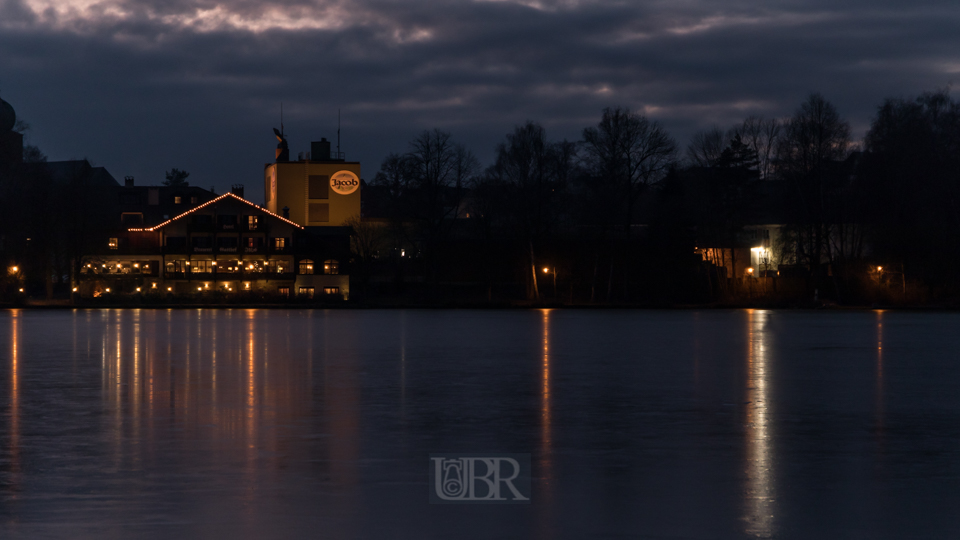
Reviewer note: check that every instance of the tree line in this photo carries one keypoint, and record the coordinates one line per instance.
(618, 215)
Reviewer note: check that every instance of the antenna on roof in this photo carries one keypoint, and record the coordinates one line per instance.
(338, 132)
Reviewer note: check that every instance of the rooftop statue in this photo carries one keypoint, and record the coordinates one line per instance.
(283, 151)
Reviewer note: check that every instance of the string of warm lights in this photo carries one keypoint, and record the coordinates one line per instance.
(225, 195)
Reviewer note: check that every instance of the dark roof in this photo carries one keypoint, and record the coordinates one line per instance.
(62, 172)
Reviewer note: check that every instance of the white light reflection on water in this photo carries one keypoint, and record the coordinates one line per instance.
(759, 492)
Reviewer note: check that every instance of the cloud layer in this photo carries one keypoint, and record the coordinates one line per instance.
(141, 86)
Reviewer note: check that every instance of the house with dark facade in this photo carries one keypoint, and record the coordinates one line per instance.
(147, 206)
(226, 245)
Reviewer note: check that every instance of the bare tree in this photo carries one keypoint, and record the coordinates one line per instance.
(630, 150)
(814, 140)
(706, 146)
(625, 155)
(535, 172)
(763, 136)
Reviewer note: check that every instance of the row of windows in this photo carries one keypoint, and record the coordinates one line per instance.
(330, 266)
(222, 242)
(153, 198)
(309, 291)
(184, 266)
(305, 267)
(228, 221)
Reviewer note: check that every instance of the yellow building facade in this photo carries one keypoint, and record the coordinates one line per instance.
(314, 193)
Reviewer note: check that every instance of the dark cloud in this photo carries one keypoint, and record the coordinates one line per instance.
(142, 86)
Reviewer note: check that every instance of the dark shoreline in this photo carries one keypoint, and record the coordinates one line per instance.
(820, 306)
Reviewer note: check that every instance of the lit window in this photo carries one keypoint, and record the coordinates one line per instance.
(330, 266)
(306, 267)
(283, 291)
(178, 200)
(306, 291)
(252, 223)
(331, 290)
(279, 243)
(193, 200)
(112, 243)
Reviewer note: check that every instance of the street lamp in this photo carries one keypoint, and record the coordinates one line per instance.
(547, 271)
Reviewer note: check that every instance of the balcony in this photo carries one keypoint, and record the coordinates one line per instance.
(230, 276)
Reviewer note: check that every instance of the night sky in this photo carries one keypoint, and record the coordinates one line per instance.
(141, 86)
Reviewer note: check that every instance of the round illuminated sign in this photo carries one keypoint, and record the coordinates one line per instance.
(344, 182)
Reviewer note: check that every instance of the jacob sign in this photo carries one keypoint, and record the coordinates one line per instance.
(344, 182)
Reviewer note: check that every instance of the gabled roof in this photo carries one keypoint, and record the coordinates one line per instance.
(208, 203)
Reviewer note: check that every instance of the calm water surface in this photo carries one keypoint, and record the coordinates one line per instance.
(641, 424)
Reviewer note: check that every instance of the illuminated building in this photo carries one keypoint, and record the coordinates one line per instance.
(227, 245)
(320, 189)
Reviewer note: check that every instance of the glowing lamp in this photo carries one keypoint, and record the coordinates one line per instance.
(108, 289)
(749, 270)
(546, 270)
(879, 269)
(16, 269)
(169, 289)
(74, 289)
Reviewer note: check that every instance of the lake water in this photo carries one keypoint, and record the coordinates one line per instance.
(640, 424)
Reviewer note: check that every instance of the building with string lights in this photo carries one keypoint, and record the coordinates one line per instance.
(228, 246)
